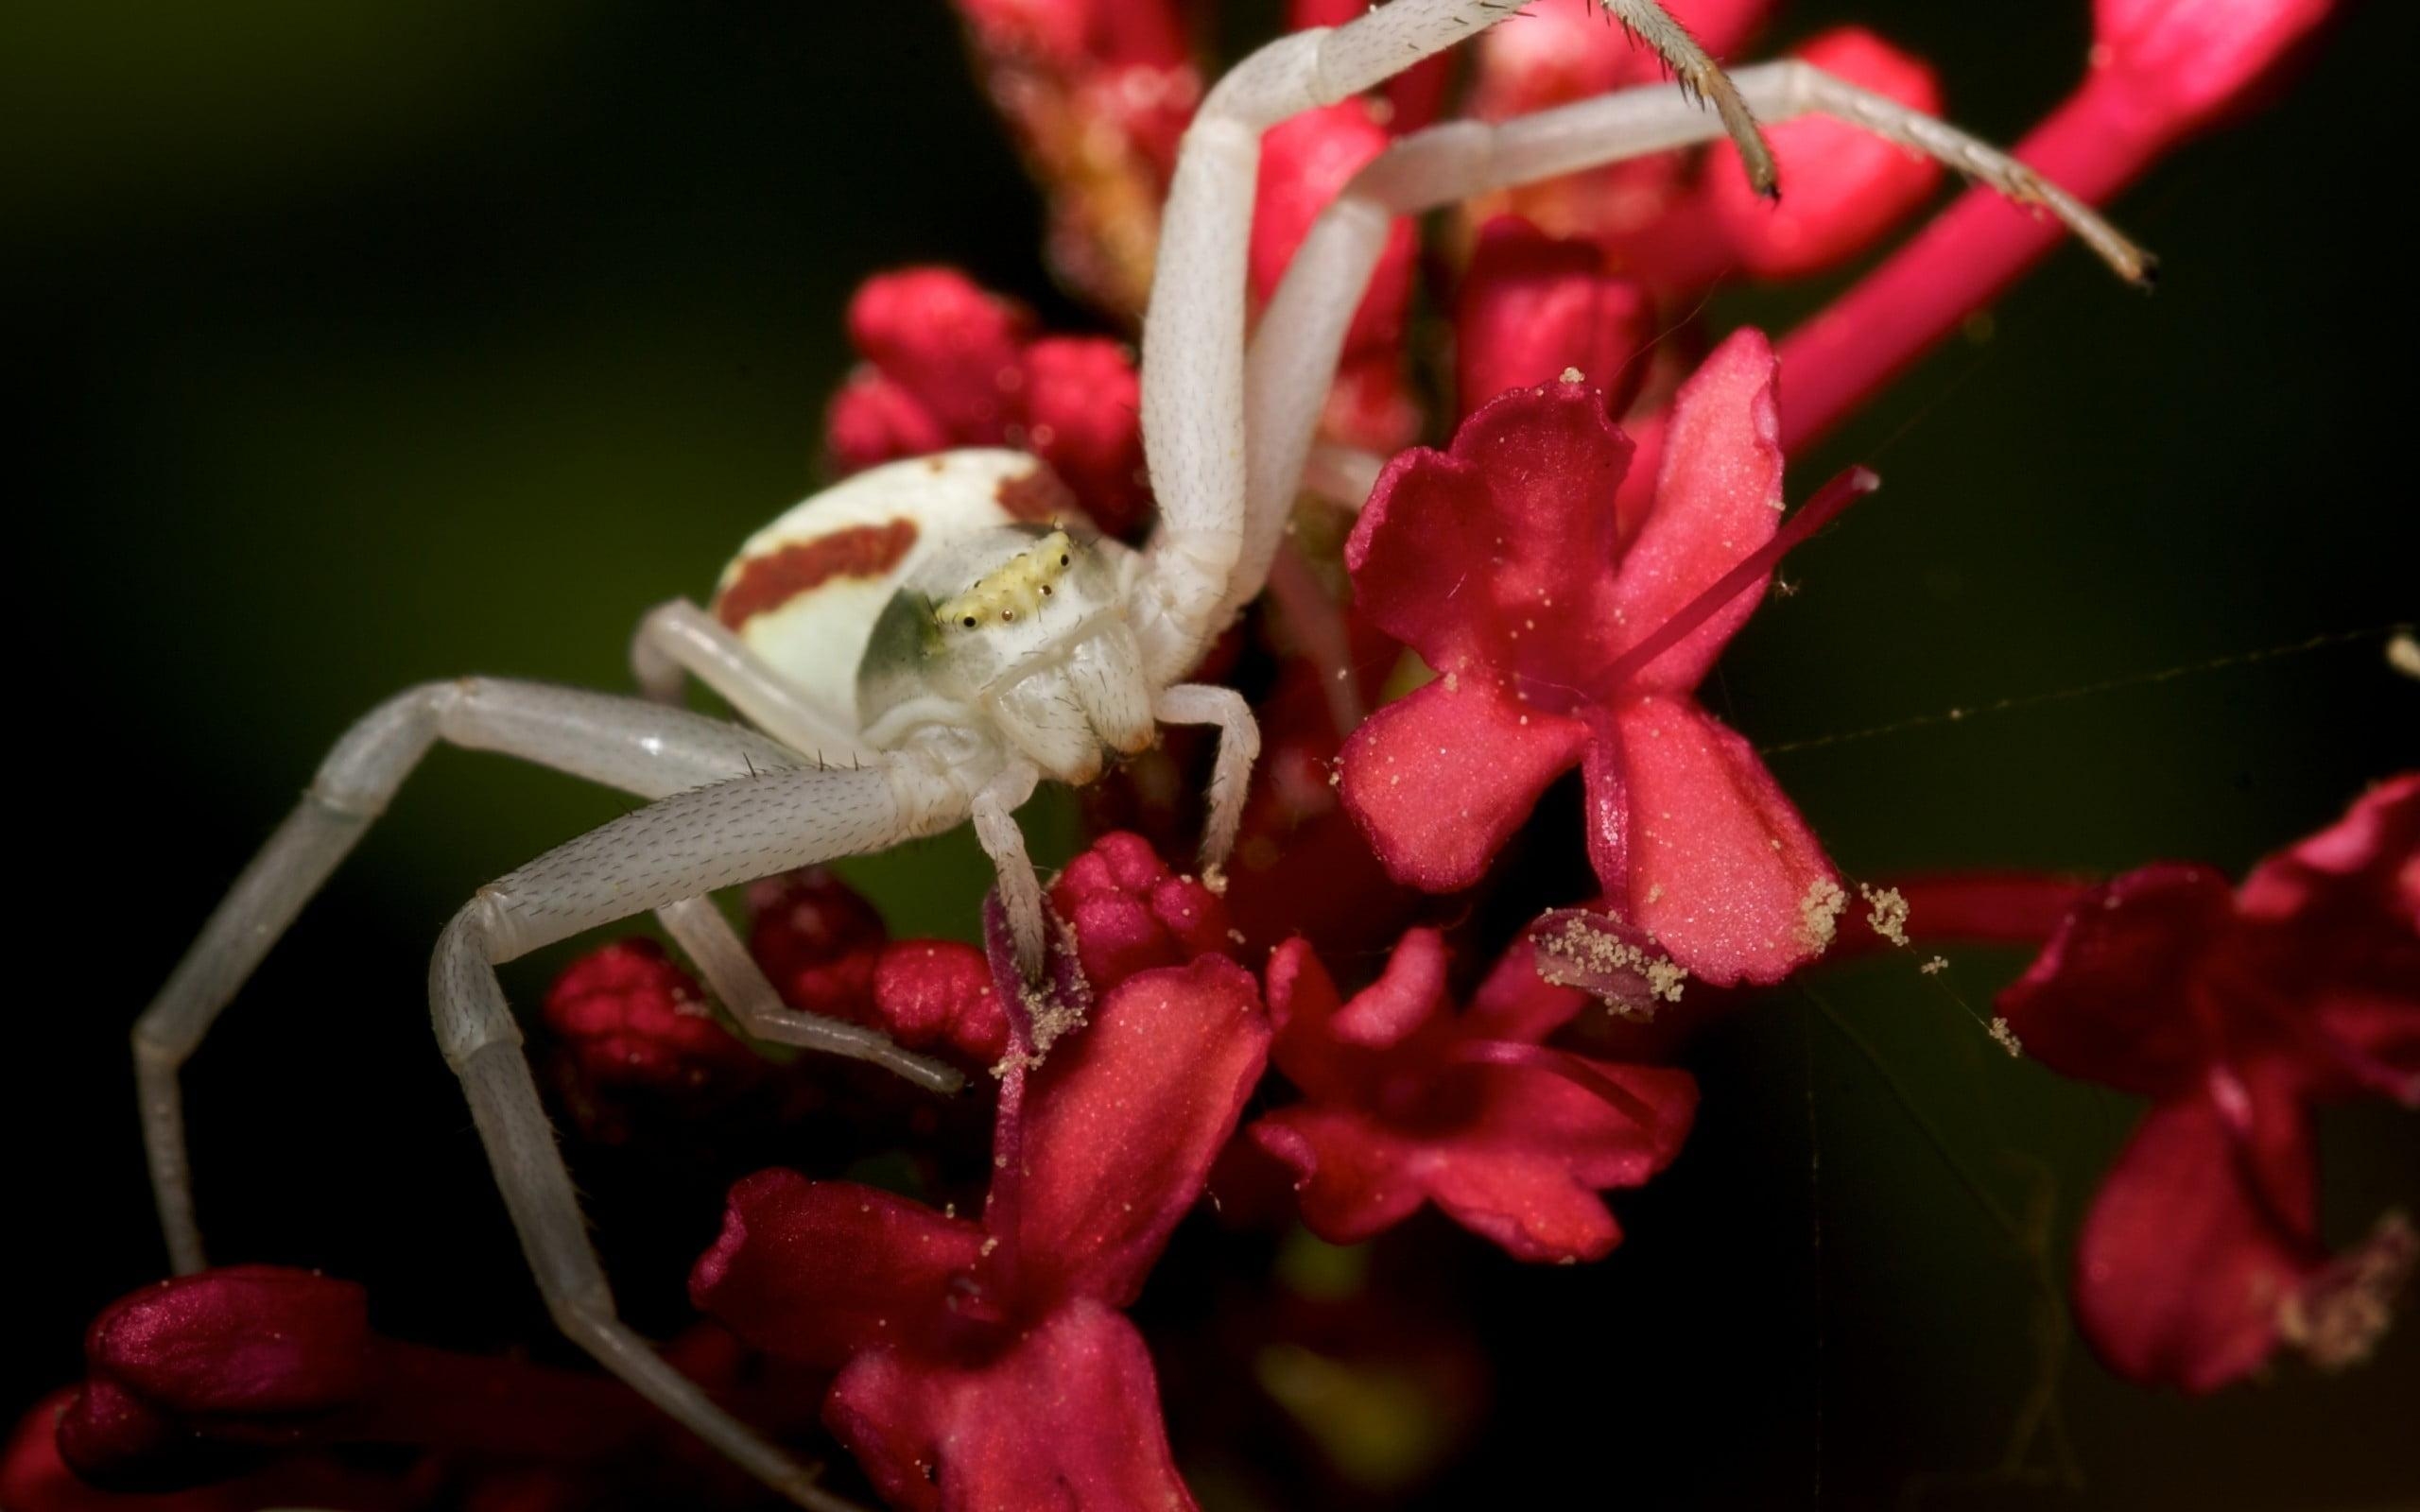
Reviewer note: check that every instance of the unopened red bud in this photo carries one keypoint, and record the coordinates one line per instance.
(1842, 187)
(1534, 306)
(948, 341)
(248, 1354)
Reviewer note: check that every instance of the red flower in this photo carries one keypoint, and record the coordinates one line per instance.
(196, 1379)
(951, 365)
(1097, 93)
(2233, 1012)
(986, 1365)
(1533, 306)
(1408, 1100)
(2160, 71)
(34, 1478)
(1568, 632)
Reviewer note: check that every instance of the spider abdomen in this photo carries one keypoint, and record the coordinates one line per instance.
(805, 591)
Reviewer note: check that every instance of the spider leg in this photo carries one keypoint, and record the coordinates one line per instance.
(1302, 332)
(617, 742)
(995, 828)
(680, 847)
(1193, 333)
(1199, 703)
(677, 640)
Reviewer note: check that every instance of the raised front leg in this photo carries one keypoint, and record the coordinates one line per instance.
(1302, 332)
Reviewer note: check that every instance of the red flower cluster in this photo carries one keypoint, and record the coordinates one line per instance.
(2235, 1010)
(949, 365)
(985, 1363)
(1555, 583)
(1559, 630)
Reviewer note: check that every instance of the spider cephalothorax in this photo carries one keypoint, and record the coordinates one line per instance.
(928, 642)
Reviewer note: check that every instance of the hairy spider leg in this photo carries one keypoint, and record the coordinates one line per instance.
(623, 742)
(1302, 332)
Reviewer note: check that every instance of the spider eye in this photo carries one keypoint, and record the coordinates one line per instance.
(969, 622)
(1062, 558)
(1045, 590)
(1007, 614)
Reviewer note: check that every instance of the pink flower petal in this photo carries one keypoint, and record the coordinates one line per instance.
(1353, 1177)
(816, 1271)
(2181, 1274)
(1407, 996)
(2107, 999)
(1122, 1123)
(1717, 498)
(1441, 780)
(1723, 870)
(1494, 558)
(1067, 1417)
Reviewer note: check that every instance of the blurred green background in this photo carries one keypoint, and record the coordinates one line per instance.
(366, 343)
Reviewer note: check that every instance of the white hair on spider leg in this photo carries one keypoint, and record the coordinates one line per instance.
(928, 642)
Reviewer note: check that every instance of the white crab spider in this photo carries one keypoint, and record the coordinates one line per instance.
(928, 642)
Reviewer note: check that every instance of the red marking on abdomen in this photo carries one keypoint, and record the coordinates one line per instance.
(772, 581)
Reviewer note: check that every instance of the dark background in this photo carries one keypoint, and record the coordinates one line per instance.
(366, 343)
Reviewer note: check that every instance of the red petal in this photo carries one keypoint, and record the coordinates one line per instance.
(1723, 870)
(1842, 187)
(2333, 924)
(1718, 498)
(1496, 557)
(1123, 1122)
(1303, 1002)
(1440, 780)
(1066, 1418)
(1533, 305)
(1517, 1004)
(1354, 1176)
(2110, 998)
(2180, 1273)
(1527, 1171)
(816, 1271)
(946, 341)
(1407, 996)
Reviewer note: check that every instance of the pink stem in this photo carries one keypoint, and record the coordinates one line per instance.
(1976, 908)
(2093, 145)
(1820, 511)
